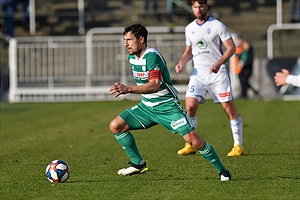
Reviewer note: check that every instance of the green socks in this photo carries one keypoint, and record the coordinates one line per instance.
(127, 141)
(209, 153)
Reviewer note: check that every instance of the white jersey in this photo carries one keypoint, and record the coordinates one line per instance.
(206, 42)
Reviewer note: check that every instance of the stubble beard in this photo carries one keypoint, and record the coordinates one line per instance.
(202, 17)
(137, 53)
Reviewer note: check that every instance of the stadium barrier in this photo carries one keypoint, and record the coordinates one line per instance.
(82, 68)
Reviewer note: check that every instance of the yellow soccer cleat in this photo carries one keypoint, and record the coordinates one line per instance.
(237, 150)
(188, 149)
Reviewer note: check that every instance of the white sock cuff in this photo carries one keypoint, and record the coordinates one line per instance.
(194, 119)
(236, 121)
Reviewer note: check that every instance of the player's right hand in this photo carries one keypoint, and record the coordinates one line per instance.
(117, 89)
(178, 68)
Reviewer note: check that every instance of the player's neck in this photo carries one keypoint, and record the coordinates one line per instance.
(202, 20)
(140, 53)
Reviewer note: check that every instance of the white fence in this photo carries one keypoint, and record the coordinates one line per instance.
(83, 68)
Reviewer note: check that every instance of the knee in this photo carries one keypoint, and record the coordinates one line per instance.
(191, 109)
(118, 125)
(195, 140)
(198, 144)
(113, 126)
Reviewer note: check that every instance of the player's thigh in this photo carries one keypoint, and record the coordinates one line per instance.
(220, 90)
(138, 117)
(176, 120)
(196, 89)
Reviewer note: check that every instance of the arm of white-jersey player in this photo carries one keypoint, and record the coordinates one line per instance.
(284, 77)
(293, 80)
(186, 56)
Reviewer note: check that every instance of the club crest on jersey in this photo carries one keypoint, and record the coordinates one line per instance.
(144, 68)
(202, 44)
(208, 31)
(178, 123)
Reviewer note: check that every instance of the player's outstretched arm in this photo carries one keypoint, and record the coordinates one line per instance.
(150, 87)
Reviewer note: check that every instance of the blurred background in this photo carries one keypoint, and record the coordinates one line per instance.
(72, 50)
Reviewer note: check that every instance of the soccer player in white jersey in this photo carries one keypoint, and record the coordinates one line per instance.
(159, 105)
(204, 39)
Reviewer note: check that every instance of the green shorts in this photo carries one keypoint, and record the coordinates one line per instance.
(171, 115)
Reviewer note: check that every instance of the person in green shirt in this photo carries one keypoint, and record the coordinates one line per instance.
(159, 105)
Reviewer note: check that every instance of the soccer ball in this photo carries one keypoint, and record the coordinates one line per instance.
(57, 171)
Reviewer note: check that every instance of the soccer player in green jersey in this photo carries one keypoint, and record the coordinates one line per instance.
(159, 105)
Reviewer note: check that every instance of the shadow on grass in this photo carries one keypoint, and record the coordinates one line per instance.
(269, 154)
(267, 178)
(155, 179)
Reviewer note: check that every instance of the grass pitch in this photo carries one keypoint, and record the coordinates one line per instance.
(34, 134)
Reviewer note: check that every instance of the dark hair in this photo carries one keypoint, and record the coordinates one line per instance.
(199, 1)
(137, 30)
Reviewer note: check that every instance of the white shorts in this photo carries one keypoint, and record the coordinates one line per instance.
(218, 85)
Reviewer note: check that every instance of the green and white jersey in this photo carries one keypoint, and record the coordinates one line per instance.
(153, 60)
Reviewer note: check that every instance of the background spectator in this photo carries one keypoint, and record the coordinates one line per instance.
(243, 65)
(9, 8)
(147, 7)
(295, 11)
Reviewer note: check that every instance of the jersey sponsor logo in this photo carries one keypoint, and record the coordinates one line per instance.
(225, 94)
(205, 51)
(178, 123)
(140, 74)
(202, 44)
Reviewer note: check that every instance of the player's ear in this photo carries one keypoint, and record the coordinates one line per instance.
(142, 39)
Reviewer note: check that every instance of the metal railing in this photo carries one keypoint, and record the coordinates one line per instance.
(279, 27)
(83, 68)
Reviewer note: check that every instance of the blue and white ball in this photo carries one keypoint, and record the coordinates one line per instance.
(57, 171)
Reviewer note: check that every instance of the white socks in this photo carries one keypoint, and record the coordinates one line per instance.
(194, 119)
(237, 131)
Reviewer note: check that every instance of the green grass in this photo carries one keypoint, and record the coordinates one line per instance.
(34, 134)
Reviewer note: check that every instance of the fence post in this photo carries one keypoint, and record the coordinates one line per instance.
(32, 17)
(123, 57)
(12, 69)
(81, 16)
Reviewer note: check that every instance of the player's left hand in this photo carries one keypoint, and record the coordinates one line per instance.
(117, 89)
